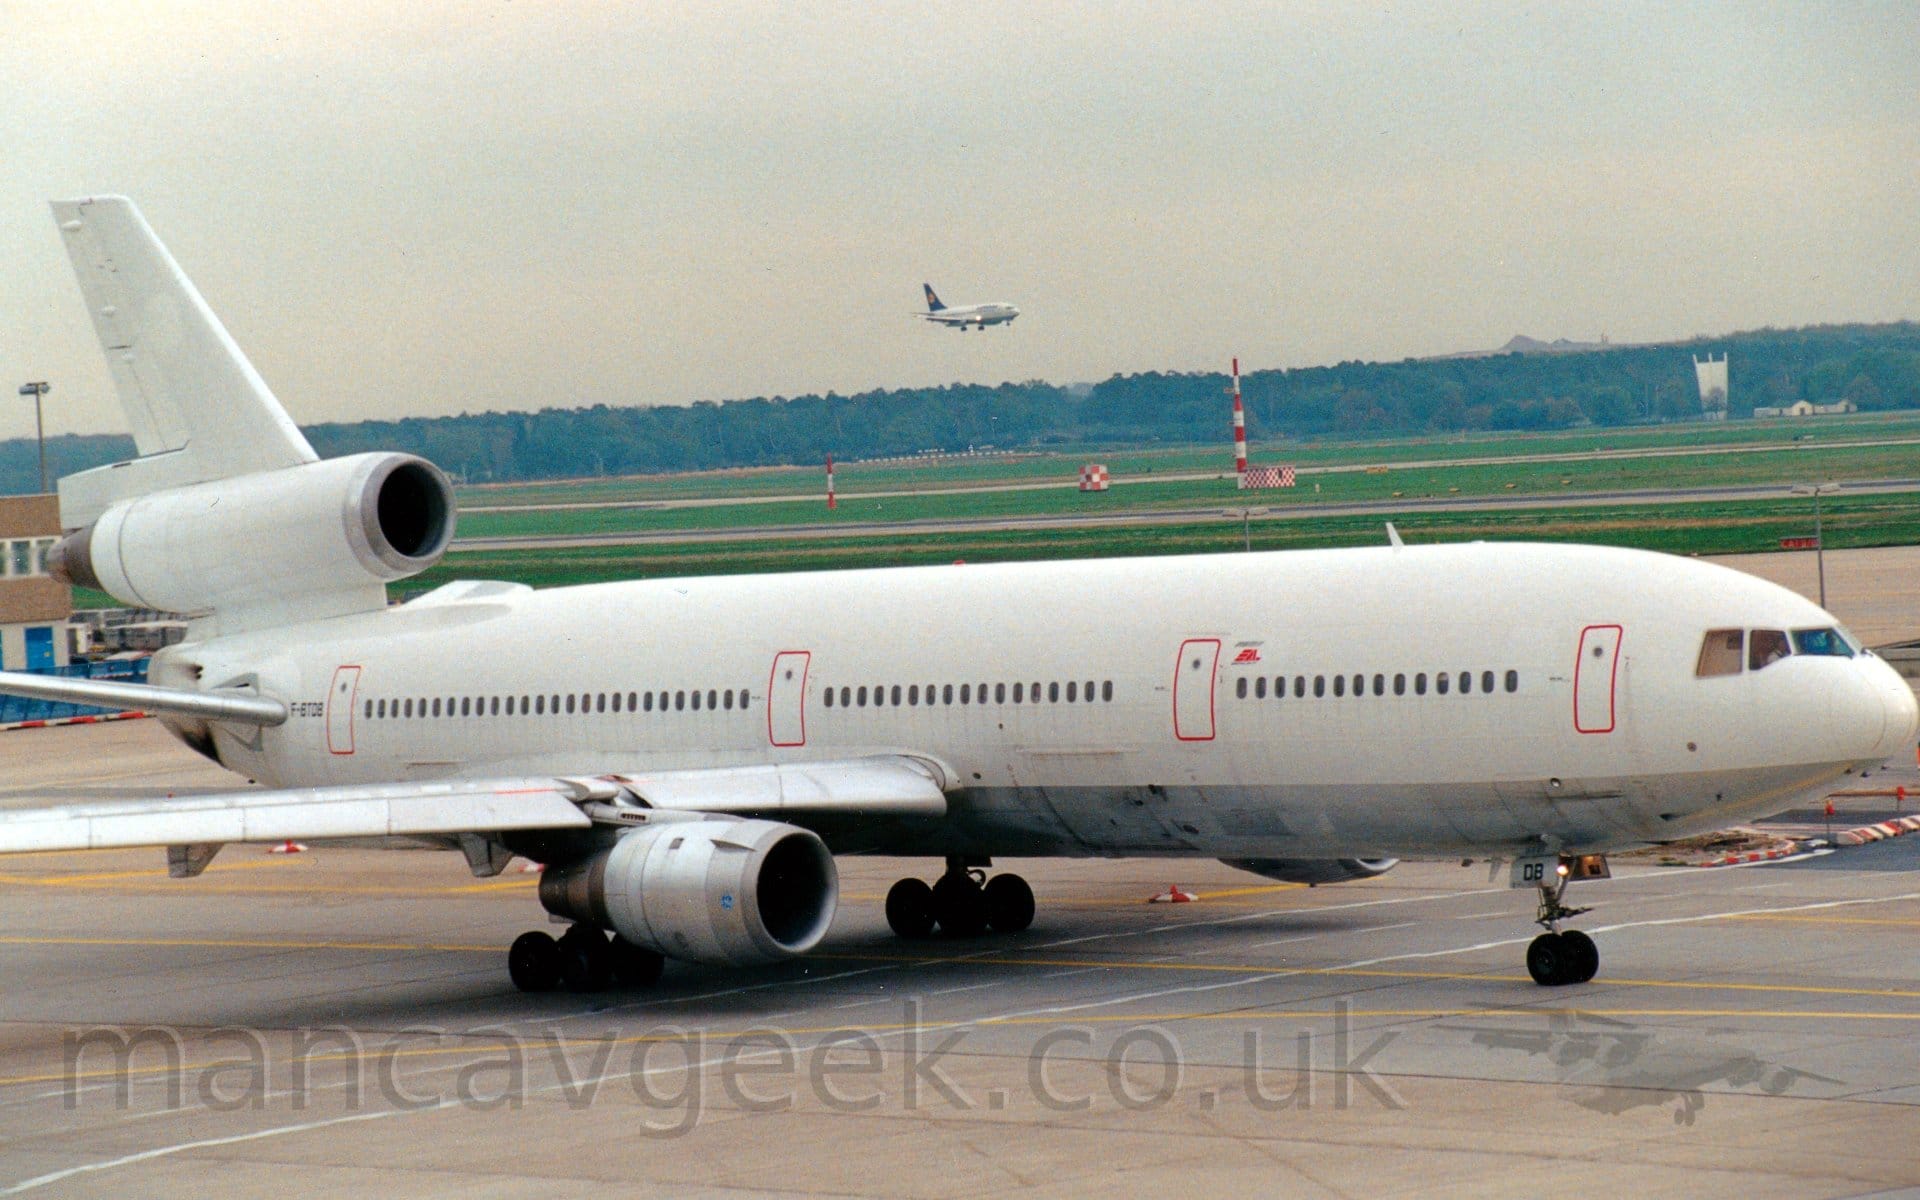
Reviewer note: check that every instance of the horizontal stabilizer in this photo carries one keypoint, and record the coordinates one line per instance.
(894, 785)
(242, 707)
(369, 810)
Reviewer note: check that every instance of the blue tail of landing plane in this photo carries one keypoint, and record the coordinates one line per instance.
(933, 301)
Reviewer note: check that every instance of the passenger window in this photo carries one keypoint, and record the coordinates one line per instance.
(1106, 690)
(999, 693)
(1019, 690)
(1420, 684)
(1073, 688)
(1339, 685)
(1825, 642)
(966, 693)
(1766, 646)
(1466, 683)
(860, 697)
(1400, 684)
(913, 695)
(1319, 685)
(1440, 682)
(946, 693)
(1379, 685)
(1260, 688)
(1239, 688)
(1513, 681)
(679, 702)
(1300, 687)
(713, 694)
(1053, 693)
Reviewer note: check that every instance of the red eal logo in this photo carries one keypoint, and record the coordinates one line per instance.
(1250, 655)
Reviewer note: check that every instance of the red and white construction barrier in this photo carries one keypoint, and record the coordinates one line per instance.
(1771, 853)
(288, 848)
(1877, 833)
(51, 722)
(1173, 895)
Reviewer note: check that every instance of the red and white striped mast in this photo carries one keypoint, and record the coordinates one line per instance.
(1239, 424)
(830, 501)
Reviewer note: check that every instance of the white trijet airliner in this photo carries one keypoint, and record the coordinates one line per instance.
(688, 755)
(966, 316)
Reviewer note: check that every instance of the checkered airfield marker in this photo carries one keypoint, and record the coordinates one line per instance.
(1266, 477)
(1093, 477)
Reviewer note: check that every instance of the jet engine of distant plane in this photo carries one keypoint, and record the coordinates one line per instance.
(339, 525)
(1313, 871)
(716, 890)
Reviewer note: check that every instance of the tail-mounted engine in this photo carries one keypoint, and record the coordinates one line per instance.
(314, 540)
(716, 890)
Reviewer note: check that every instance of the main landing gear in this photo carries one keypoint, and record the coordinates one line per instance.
(1554, 957)
(583, 959)
(964, 902)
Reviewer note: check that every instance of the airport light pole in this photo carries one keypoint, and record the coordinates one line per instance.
(1817, 490)
(1246, 516)
(37, 390)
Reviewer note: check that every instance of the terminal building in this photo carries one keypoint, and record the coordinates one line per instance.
(33, 606)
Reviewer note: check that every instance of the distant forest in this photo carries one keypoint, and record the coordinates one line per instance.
(1875, 366)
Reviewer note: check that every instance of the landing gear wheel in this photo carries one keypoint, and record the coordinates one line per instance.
(1583, 957)
(910, 909)
(1009, 903)
(533, 962)
(634, 966)
(1547, 960)
(586, 961)
(959, 906)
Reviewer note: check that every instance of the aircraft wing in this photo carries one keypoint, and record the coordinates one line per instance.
(888, 784)
(218, 704)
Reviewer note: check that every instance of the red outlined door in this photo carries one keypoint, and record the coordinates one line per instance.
(787, 698)
(1193, 679)
(340, 700)
(1595, 679)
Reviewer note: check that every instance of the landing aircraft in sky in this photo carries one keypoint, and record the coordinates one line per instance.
(966, 316)
(690, 768)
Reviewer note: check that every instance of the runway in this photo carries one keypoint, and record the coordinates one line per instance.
(342, 1022)
(1291, 510)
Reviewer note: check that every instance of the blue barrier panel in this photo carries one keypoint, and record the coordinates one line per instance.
(14, 709)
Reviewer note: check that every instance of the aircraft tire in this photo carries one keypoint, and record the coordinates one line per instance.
(586, 960)
(910, 909)
(1009, 903)
(1548, 960)
(533, 962)
(634, 966)
(959, 906)
(1583, 957)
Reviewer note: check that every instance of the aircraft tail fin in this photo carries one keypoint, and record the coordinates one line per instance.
(197, 409)
(933, 301)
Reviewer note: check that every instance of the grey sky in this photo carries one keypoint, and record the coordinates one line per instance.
(424, 208)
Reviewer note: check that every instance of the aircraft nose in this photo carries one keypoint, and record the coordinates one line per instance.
(1903, 711)
(1881, 693)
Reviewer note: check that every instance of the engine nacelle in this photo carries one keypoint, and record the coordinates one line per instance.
(1314, 871)
(717, 890)
(318, 530)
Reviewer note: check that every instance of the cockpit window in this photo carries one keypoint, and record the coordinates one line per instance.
(1827, 642)
(1766, 646)
(1720, 653)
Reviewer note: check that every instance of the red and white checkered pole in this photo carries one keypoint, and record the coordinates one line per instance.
(1239, 424)
(830, 500)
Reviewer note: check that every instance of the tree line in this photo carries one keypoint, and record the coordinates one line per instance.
(1877, 367)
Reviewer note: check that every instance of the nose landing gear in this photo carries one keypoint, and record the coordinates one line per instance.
(1556, 958)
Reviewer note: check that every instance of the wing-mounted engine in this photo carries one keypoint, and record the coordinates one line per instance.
(715, 890)
(1314, 871)
(300, 543)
